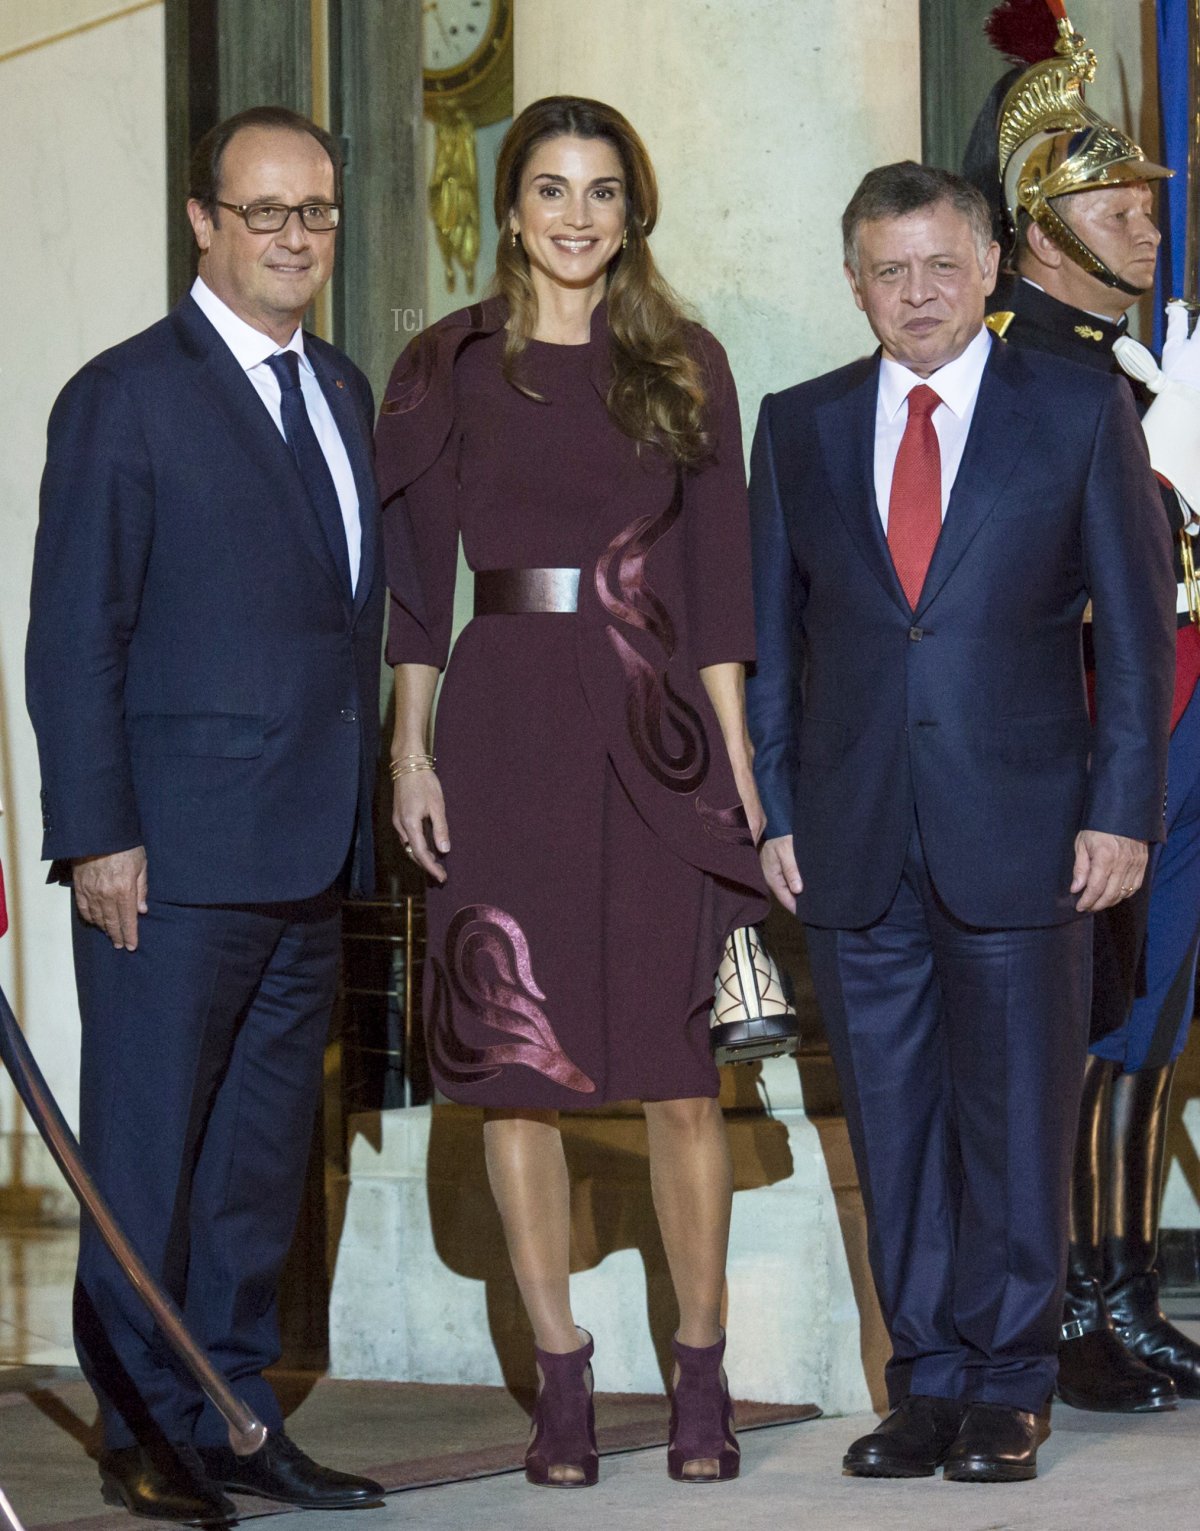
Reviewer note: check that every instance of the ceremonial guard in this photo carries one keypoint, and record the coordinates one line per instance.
(1075, 197)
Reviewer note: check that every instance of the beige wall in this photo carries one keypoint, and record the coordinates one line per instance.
(29, 23)
(82, 177)
(760, 118)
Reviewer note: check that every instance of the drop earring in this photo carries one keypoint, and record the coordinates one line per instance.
(514, 238)
(625, 239)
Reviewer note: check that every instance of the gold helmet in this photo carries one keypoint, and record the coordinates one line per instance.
(1051, 144)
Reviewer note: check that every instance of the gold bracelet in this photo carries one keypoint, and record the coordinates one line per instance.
(406, 765)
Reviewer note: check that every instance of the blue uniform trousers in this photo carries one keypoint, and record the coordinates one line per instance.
(1156, 1029)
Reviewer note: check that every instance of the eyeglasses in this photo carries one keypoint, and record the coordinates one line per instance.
(270, 217)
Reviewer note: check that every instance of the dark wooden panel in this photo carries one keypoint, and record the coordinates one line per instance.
(264, 52)
(958, 68)
(375, 55)
(191, 77)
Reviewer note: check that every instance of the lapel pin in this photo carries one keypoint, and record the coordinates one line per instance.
(339, 382)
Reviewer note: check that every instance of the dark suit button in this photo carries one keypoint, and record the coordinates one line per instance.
(349, 715)
(915, 634)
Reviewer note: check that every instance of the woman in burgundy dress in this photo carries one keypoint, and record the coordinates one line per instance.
(593, 769)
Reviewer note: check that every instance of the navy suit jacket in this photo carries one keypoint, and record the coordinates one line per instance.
(970, 712)
(200, 678)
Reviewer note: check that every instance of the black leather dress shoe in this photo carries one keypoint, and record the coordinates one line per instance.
(910, 1443)
(167, 1483)
(280, 1471)
(996, 1444)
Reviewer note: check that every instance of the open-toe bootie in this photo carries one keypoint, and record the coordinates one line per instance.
(701, 1416)
(564, 1421)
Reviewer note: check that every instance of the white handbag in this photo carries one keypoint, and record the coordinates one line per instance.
(752, 1014)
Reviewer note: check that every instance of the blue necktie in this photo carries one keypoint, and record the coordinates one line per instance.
(306, 449)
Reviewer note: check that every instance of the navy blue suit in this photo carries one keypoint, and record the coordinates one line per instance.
(934, 767)
(204, 683)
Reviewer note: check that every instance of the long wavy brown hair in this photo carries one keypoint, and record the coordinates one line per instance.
(658, 392)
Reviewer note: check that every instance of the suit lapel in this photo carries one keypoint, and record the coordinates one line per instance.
(226, 389)
(995, 441)
(846, 429)
(355, 438)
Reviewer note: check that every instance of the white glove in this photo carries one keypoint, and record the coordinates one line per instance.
(1181, 351)
(1172, 423)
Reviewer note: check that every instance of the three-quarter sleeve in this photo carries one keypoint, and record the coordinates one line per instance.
(422, 524)
(717, 519)
(414, 446)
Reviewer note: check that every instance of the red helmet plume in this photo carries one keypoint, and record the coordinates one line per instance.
(1025, 31)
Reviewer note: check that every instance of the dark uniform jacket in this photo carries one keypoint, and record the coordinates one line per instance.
(1029, 318)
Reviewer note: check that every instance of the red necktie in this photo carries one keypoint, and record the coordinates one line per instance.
(915, 508)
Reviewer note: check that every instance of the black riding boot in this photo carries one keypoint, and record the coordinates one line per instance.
(1139, 1132)
(1095, 1371)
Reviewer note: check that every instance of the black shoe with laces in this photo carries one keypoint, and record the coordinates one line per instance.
(279, 1470)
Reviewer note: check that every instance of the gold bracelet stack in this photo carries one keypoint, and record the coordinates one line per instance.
(406, 765)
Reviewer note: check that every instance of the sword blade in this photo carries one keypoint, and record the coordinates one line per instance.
(246, 1432)
(1191, 233)
(8, 1516)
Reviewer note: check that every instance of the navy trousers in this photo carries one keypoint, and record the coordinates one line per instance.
(201, 1074)
(960, 1055)
(1156, 1028)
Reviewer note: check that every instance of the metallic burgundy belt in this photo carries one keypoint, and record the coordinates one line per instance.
(512, 592)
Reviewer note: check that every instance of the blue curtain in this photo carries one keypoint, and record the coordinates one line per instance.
(1173, 100)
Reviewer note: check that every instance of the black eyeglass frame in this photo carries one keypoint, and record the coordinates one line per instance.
(244, 209)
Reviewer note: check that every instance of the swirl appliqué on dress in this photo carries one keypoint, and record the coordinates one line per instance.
(654, 709)
(488, 971)
(729, 825)
(652, 706)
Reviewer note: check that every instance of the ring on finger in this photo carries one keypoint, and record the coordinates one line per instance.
(410, 853)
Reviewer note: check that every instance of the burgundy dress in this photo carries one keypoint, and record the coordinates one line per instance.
(600, 854)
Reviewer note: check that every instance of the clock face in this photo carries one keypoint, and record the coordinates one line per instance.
(455, 31)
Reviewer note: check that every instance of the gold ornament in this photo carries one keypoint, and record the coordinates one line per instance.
(468, 84)
(1052, 144)
(454, 194)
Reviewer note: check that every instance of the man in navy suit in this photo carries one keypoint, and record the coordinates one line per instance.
(203, 677)
(941, 813)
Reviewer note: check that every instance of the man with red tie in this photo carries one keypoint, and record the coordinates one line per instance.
(941, 813)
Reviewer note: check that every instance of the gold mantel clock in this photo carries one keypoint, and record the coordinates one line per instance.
(468, 84)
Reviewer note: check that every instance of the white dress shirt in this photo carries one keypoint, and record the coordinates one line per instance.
(251, 348)
(957, 385)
